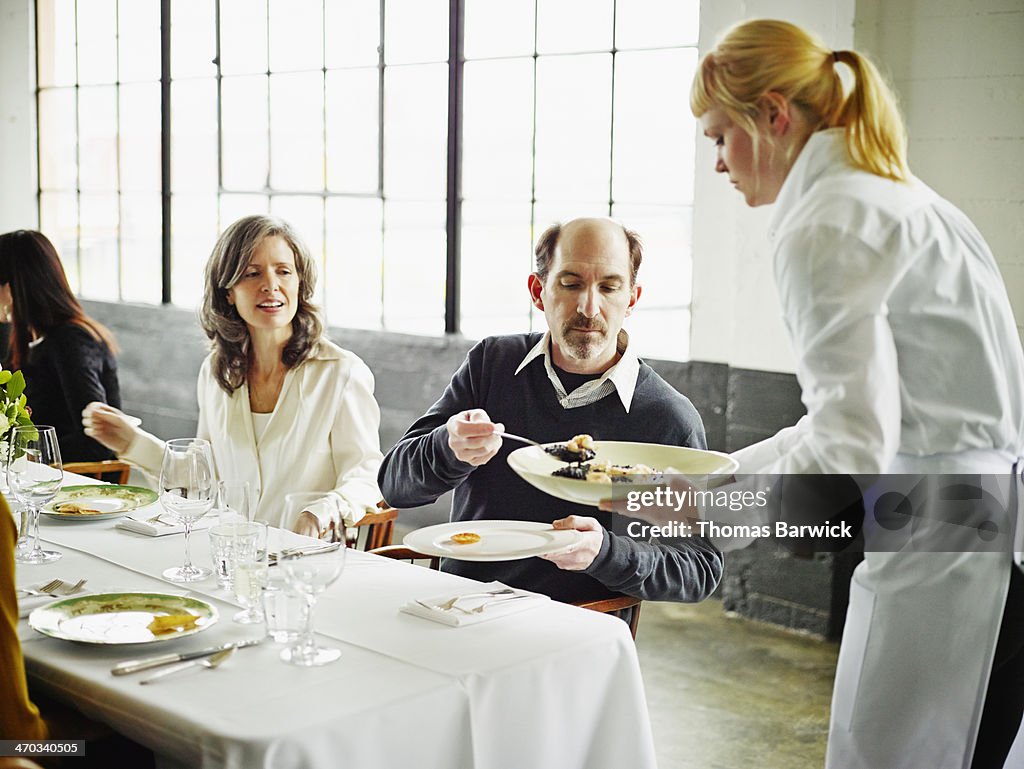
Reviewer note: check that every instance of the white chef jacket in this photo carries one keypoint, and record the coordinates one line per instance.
(909, 362)
(322, 436)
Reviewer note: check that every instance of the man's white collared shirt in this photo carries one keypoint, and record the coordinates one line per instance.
(620, 378)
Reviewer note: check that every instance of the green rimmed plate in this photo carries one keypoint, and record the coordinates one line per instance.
(97, 501)
(119, 618)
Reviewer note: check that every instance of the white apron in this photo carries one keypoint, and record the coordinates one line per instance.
(917, 649)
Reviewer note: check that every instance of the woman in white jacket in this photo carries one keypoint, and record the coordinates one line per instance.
(282, 406)
(909, 362)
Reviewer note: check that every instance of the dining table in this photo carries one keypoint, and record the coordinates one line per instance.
(550, 686)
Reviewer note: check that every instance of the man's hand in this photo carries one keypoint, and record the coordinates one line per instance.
(471, 436)
(581, 554)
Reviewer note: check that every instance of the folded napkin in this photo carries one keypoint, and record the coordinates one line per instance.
(26, 603)
(473, 606)
(161, 526)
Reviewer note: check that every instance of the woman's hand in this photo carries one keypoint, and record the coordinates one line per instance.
(110, 426)
(307, 525)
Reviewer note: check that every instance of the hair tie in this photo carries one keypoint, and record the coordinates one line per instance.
(835, 56)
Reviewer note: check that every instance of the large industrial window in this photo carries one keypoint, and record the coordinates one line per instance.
(419, 146)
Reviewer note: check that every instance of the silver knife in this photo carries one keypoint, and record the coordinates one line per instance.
(134, 666)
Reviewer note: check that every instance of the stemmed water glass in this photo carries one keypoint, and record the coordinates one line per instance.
(187, 492)
(310, 569)
(35, 475)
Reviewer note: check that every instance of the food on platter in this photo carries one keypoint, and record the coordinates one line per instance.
(172, 623)
(465, 538)
(579, 448)
(604, 472)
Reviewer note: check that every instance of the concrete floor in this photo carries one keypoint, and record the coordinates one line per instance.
(730, 693)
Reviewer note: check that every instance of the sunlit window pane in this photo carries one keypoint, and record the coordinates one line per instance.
(305, 213)
(56, 52)
(243, 37)
(547, 212)
(97, 46)
(499, 29)
(296, 35)
(193, 234)
(140, 248)
(656, 23)
(415, 131)
(353, 32)
(57, 158)
(297, 131)
(666, 267)
(98, 241)
(193, 39)
(234, 207)
(654, 138)
(414, 267)
(58, 220)
(352, 130)
(573, 127)
(353, 270)
(138, 37)
(244, 138)
(415, 31)
(194, 136)
(97, 136)
(497, 139)
(140, 136)
(567, 26)
(497, 257)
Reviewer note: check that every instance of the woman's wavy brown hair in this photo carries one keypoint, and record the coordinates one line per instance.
(41, 298)
(228, 333)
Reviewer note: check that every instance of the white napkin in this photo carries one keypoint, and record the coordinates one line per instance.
(26, 603)
(462, 613)
(159, 527)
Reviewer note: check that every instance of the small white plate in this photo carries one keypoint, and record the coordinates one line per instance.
(499, 540)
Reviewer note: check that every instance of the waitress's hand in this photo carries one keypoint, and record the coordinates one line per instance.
(110, 426)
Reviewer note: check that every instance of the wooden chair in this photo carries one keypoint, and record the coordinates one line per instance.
(623, 606)
(110, 470)
(374, 530)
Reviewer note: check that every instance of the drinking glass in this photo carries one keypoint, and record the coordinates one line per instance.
(310, 568)
(234, 501)
(35, 475)
(187, 492)
(249, 569)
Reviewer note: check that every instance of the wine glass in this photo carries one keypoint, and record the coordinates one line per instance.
(310, 568)
(35, 475)
(187, 491)
(248, 568)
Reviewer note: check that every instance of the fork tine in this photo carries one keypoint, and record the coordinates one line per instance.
(75, 587)
(50, 586)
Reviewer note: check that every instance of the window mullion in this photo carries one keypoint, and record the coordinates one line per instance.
(453, 226)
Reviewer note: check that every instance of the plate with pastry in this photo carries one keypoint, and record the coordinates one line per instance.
(97, 501)
(123, 618)
(490, 540)
(585, 471)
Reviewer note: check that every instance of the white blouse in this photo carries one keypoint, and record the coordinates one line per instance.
(321, 436)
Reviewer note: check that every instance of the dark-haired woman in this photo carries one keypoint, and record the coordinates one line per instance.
(66, 356)
(282, 406)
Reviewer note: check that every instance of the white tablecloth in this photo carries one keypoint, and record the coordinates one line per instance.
(555, 686)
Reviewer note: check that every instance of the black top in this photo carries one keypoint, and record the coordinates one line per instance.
(64, 372)
(421, 467)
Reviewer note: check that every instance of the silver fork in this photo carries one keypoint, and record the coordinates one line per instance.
(479, 609)
(56, 588)
(450, 603)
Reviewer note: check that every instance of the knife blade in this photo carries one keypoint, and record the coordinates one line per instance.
(135, 666)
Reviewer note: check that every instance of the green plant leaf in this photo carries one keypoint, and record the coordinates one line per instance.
(16, 386)
(5, 377)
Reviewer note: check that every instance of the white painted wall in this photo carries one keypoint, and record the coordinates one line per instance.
(18, 183)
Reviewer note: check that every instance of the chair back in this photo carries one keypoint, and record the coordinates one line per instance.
(109, 470)
(374, 529)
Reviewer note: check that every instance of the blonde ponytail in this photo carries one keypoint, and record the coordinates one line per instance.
(764, 55)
